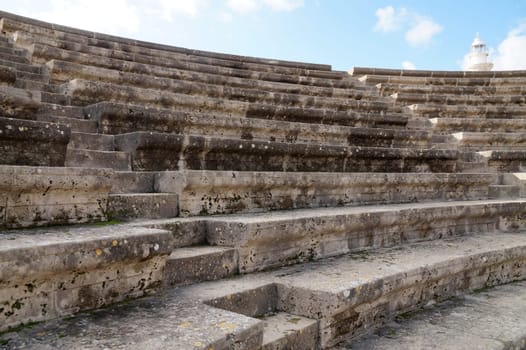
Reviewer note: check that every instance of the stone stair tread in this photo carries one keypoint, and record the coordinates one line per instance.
(150, 320)
(126, 206)
(486, 319)
(97, 159)
(284, 331)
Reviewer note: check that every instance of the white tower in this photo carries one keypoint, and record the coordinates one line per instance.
(478, 56)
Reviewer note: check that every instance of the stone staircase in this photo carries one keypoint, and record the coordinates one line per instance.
(233, 202)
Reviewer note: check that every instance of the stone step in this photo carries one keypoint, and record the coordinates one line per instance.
(19, 103)
(32, 143)
(352, 295)
(134, 52)
(459, 111)
(128, 206)
(37, 77)
(286, 331)
(23, 67)
(63, 71)
(76, 125)
(55, 272)
(14, 57)
(190, 265)
(119, 119)
(347, 296)
(310, 234)
(7, 75)
(96, 142)
(29, 84)
(516, 180)
(505, 80)
(42, 54)
(98, 159)
(504, 191)
(133, 182)
(54, 110)
(286, 124)
(387, 89)
(489, 319)
(482, 141)
(81, 92)
(40, 196)
(162, 151)
(505, 161)
(464, 100)
(478, 125)
(227, 192)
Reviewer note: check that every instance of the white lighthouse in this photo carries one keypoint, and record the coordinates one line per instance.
(478, 56)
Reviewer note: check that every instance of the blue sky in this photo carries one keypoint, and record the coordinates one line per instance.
(343, 33)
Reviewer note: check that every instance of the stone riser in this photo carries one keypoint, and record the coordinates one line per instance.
(27, 142)
(460, 111)
(386, 89)
(57, 277)
(217, 192)
(465, 100)
(36, 196)
(478, 125)
(156, 152)
(432, 81)
(320, 233)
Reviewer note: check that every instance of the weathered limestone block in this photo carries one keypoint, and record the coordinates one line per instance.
(51, 273)
(493, 141)
(114, 118)
(281, 238)
(459, 111)
(28, 142)
(158, 151)
(7, 75)
(18, 103)
(505, 161)
(478, 125)
(226, 192)
(36, 196)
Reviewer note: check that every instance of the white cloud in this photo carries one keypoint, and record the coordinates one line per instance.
(225, 16)
(422, 32)
(168, 9)
(419, 29)
(408, 65)
(87, 14)
(511, 52)
(243, 6)
(389, 20)
(283, 5)
(250, 6)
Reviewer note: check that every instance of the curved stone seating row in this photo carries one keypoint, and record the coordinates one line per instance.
(81, 92)
(501, 82)
(226, 192)
(91, 66)
(478, 125)
(191, 87)
(52, 273)
(387, 89)
(467, 100)
(117, 118)
(356, 71)
(432, 110)
(12, 23)
(162, 151)
(482, 141)
(37, 196)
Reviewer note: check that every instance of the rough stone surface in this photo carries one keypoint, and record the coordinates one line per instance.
(50, 273)
(487, 319)
(36, 196)
(226, 192)
(28, 142)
